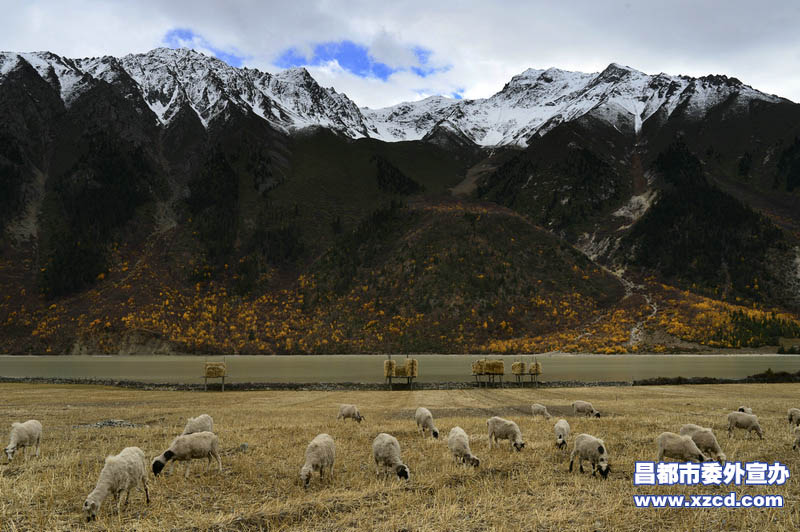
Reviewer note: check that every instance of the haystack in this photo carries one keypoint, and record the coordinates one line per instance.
(215, 369)
(495, 367)
(401, 371)
(478, 367)
(536, 368)
(518, 368)
(412, 367)
(389, 368)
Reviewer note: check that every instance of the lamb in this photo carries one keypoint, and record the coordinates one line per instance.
(120, 473)
(425, 421)
(705, 440)
(386, 452)
(350, 412)
(24, 435)
(458, 442)
(540, 410)
(681, 448)
(320, 453)
(796, 432)
(562, 433)
(201, 423)
(503, 429)
(585, 408)
(587, 447)
(745, 409)
(187, 447)
(794, 416)
(748, 422)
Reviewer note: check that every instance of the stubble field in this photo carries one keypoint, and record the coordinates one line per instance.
(259, 486)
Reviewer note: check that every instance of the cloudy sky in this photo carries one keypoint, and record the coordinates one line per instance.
(381, 53)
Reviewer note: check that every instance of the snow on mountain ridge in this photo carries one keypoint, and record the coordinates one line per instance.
(168, 81)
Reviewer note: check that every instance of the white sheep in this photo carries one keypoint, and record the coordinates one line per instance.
(587, 447)
(540, 410)
(320, 454)
(794, 416)
(24, 435)
(350, 412)
(424, 420)
(188, 447)
(561, 429)
(386, 452)
(458, 442)
(122, 472)
(705, 440)
(796, 432)
(746, 409)
(504, 429)
(748, 422)
(681, 448)
(585, 408)
(201, 423)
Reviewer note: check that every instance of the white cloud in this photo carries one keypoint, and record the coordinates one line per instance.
(485, 43)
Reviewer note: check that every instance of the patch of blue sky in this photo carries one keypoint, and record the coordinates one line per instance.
(356, 59)
(186, 38)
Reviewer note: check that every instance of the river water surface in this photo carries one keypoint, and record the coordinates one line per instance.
(369, 368)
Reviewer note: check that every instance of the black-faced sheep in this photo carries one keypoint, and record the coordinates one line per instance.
(504, 429)
(189, 447)
(794, 416)
(584, 408)
(458, 442)
(350, 412)
(424, 420)
(587, 447)
(386, 452)
(561, 429)
(705, 440)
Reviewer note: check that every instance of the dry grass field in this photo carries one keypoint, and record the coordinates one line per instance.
(259, 488)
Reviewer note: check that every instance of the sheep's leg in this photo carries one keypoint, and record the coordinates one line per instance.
(219, 460)
(571, 459)
(127, 496)
(580, 464)
(38, 441)
(146, 492)
(660, 457)
(188, 466)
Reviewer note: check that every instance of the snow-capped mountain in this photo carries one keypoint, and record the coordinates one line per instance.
(538, 100)
(168, 81)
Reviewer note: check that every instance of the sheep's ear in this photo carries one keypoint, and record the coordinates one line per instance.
(600, 449)
(168, 454)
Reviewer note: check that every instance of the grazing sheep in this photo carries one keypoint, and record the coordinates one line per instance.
(748, 422)
(425, 421)
(386, 452)
(705, 440)
(188, 447)
(350, 412)
(458, 442)
(681, 448)
(794, 416)
(587, 447)
(746, 409)
(585, 408)
(201, 423)
(120, 473)
(24, 435)
(320, 453)
(796, 432)
(562, 433)
(540, 410)
(503, 429)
